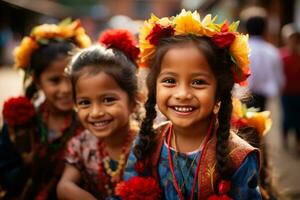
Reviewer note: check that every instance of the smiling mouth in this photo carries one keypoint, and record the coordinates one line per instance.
(183, 109)
(101, 124)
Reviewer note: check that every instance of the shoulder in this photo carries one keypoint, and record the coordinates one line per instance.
(84, 139)
(161, 128)
(239, 150)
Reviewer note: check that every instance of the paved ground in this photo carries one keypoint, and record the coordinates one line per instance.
(286, 163)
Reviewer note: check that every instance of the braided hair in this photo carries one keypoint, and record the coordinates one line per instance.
(220, 63)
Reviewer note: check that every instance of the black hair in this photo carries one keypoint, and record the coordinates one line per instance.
(113, 62)
(42, 58)
(256, 25)
(220, 63)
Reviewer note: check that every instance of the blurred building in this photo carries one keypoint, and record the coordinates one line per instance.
(17, 17)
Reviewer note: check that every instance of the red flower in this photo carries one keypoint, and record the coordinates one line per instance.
(18, 111)
(223, 189)
(239, 76)
(139, 188)
(122, 40)
(223, 39)
(238, 122)
(139, 167)
(158, 32)
(221, 197)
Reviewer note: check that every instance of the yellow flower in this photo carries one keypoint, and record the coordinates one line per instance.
(83, 41)
(23, 52)
(65, 30)
(187, 22)
(260, 121)
(238, 110)
(146, 48)
(239, 49)
(45, 31)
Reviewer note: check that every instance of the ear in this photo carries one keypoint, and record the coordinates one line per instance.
(217, 107)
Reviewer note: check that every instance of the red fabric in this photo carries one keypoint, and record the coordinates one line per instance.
(291, 68)
(221, 197)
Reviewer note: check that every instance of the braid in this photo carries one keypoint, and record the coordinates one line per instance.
(147, 134)
(223, 135)
(31, 90)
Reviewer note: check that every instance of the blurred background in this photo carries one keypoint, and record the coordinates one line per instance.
(18, 17)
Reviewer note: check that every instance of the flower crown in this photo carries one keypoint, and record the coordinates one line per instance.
(243, 116)
(43, 33)
(223, 35)
(122, 40)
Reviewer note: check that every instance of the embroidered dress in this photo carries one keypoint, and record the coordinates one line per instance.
(83, 153)
(39, 178)
(244, 180)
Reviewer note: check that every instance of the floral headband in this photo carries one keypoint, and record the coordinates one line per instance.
(223, 35)
(41, 35)
(122, 40)
(243, 116)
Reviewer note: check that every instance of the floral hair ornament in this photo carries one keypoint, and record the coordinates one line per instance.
(243, 116)
(223, 35)
(122, 40)
(66, 30)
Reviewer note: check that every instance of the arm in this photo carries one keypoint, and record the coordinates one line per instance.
(244, 182)
(68, 188)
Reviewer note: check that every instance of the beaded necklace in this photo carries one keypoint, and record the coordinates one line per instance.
(107, 175)
(171, 165)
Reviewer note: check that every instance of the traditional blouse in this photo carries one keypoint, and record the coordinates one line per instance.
(244, 182)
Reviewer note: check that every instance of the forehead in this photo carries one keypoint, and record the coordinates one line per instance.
(100, 81)
(57, 66)
(187, 58)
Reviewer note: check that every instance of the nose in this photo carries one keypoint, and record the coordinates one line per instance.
(183, 92)
(96, 111)
(66, 86)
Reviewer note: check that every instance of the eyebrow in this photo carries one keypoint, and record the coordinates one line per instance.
(167, 73)
(192, 75)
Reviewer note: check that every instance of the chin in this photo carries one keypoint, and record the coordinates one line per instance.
(65, 108)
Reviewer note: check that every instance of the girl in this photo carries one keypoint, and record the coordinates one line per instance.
(43, 56)
(194, 65)
(105, 88)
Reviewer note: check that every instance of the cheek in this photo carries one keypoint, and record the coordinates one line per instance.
(82, 114)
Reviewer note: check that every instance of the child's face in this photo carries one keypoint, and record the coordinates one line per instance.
(102, 106)
(186, 87)
(57, 86)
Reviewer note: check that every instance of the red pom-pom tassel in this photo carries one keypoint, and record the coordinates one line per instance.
(122, 40)
(138, 188)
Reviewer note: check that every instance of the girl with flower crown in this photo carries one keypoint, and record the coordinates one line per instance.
(34, 138)
(196, 154)
(104, 88)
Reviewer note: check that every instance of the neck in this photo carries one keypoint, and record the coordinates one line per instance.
(187, 140)
(115, 143)
(116, 140)
(57, 113)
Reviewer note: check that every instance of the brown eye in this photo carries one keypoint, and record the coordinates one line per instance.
(198, 82)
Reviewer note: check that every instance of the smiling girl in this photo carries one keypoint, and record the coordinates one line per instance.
(43, 55)
(105, 88)
(193, 67)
